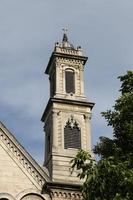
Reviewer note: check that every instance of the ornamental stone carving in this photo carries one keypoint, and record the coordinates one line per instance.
(23, 161)
(68, 195)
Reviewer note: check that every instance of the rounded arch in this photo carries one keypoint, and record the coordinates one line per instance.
(6, 196)
(70, 69)
(30, 194)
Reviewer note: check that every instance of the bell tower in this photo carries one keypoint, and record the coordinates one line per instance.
(67, 115)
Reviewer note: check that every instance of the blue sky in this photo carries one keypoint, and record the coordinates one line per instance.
(28, 31)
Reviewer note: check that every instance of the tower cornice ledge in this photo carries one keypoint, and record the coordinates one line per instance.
(64, 55)
(63, 190)
(55, 185)
(65, 101)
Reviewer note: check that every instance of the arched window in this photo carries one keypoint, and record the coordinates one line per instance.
(70, 81)
(72, 135)
(3, 199)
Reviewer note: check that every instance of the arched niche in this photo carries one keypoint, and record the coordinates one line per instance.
(32, 196)
(29, 194)
(6, 196)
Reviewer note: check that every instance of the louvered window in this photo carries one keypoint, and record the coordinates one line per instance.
(72, 136)
(70, 81)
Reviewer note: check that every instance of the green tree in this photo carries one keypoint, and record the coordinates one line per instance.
(111, 177)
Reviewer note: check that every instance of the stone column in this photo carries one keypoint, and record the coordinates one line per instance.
(81, 81)
(87, 118)
(57, 78)
(54, 130)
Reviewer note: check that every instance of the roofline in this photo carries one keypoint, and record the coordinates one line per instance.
(63, 55)
(65, 101)
(31, 160)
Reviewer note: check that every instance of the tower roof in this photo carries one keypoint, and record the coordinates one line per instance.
(65, 38)
(65, 49)
(65, 42)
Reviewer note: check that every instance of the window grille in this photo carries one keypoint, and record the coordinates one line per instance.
(72, 135)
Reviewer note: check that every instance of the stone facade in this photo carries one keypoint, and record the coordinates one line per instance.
(67, 125)
(67, 104)
(20, 175)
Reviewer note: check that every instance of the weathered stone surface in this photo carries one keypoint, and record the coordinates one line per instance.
(64, 108)
(19, 173)
(21, 178)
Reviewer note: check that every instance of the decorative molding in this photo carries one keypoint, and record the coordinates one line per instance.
(68, 51)
(56, 112)
(88, 116)
(72, 122)
(60, 61)
(66, 195)
(14, 149)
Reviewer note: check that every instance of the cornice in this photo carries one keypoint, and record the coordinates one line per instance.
(66, 195)
(65, 101)
(63, 190)
(66, 186)
(68, 61)
(64, 56)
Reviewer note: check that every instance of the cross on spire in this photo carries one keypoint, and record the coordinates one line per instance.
(65, 38)
(65, 30)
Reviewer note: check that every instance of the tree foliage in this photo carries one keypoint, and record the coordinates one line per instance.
(111, 177)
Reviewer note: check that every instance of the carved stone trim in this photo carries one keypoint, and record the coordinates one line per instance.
(66, 195)
(88, 116)
(67, 51)
(23, 160)
(69, 61)
(72, 122)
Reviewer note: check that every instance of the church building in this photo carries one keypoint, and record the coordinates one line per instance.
(67, 126)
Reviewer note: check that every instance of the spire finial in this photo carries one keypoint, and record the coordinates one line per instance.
(65, 30)
(65, 38)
